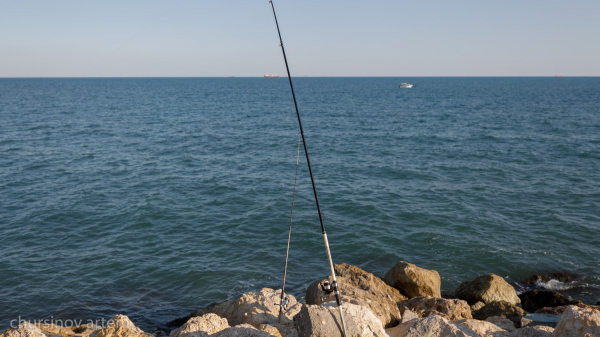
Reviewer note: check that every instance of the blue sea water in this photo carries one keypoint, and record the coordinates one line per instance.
(152, 197)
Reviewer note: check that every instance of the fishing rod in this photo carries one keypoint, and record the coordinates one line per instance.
(312, 179)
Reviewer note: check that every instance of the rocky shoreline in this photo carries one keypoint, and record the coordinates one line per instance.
(406, 302)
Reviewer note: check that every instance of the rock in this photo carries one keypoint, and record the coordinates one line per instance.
(324, 321)
(270, 329)
(535, 331)
(120, 326)
(242, 330)
(578, 322)
(25, 329)
(408, 315)
(201, 326)
(487, 289)
(402, 329)
(502, 309)
(483, 328)
(537, 299)
(477, 306)
(543, 277)
(83, 330)
(254, 308)
(282, 330)
(552, 311)
(413, 281)
(525, 322)
(431, 326)
(453, 310)
(361, 288)
(448, 294)
(502, 323)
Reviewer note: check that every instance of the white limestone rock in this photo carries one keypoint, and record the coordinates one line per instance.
(201, 326)
(24, 329)
(578, 322)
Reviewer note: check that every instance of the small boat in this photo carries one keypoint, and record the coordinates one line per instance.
(406, 85)
(267, 75)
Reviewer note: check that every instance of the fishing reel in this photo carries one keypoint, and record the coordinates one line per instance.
(327, 289)
(285, 303)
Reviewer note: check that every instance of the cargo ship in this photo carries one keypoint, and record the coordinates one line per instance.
(267, 75)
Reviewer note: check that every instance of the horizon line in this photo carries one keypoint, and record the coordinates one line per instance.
(456, 76)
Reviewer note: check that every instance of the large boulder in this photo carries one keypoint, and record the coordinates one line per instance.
(361, 288)
(254, 308)
(483, 328)
(453, 310)
(533, 331)
(431, 326)
(501, 309)
(25, 329)
(201, 326)
(120, 326)
(487, 289)
(537, 299)
(578, 322)
(324, 321)
(413, 281)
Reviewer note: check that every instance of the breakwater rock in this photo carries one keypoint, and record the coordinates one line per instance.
(406, 303)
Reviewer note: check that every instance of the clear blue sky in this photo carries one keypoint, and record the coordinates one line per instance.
(61, 38)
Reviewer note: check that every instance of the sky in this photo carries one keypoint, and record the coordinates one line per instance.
(198, 38)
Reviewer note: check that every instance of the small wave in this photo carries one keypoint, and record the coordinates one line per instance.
(561, 285)
(558, 285)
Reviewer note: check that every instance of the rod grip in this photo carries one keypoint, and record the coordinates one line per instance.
(338, 298)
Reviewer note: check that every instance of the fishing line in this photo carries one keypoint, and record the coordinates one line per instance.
(284, 300)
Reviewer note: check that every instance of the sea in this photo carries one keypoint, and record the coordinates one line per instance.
(152, 197)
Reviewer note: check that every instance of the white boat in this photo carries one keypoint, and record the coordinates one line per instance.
(405, 85)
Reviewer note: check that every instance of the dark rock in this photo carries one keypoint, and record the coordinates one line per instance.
(537, 299)
(448, 294)
(501, 309)
(552, 310)
(545, 277)
(561, 309)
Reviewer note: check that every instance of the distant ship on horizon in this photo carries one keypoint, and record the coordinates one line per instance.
(560, 76)
(267, 75)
